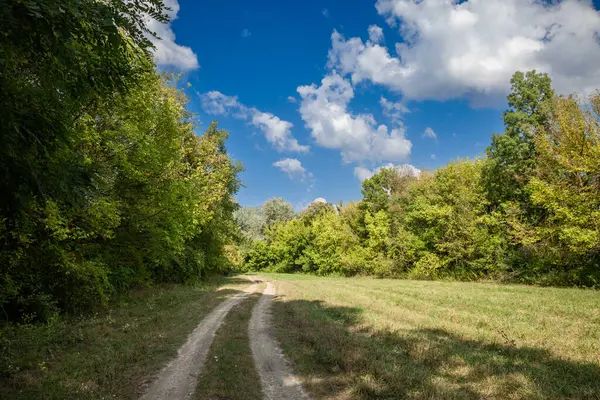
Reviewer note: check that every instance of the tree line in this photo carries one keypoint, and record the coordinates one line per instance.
(527, 212)
(104, 183)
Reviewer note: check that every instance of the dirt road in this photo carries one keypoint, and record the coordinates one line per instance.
(277, 379)
(178, 378)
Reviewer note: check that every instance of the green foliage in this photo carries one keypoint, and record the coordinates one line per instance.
(428, 267)
(251, 221)
(528, 212)
(105, 183)
(566, 186)
(254, 221)
(512, 154)
(276, 210)
(58, 60)
(332, 240)
(446, 212)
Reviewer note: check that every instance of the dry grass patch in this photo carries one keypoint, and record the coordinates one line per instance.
(391, 339)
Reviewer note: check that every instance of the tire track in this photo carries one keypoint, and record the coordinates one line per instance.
(178, 379)
(276, 376)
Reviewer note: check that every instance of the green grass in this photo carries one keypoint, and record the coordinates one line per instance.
(229, 372)
(393, 339)
(110, 355)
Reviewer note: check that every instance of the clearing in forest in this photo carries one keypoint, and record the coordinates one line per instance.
(301, 336)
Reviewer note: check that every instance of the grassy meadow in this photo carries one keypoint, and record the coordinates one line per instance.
(394, 339)
(347, 338)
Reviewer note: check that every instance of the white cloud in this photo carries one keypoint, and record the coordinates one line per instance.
(216, 103)
(325, 12)
(471, 48)
(292, 167)
(246, 33)
(433, 157)
(394, 111)
(276, 131)
(430, 133)
(167, 52)
(375, 34)
(363, 173)
(357, 136)
(292, 99)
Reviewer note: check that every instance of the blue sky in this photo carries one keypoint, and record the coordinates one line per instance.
(442, 69)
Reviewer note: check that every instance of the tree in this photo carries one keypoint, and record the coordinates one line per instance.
(530, 212)
(444, 214)
(512, 154)
(157, 205)
(105, 183)
(252, 222)
(566, 185)
(315, 209)
(276, 210)
(378, 189)
(58, 60)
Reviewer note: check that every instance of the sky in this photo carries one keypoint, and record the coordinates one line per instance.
(317, 95)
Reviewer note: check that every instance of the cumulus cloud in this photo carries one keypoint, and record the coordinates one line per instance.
(375, 34)
(325, 12)
(216, 103)
(292, 99)
(430, 133)
(292, 167)
(324, 109)
(275, 130)
(168, 52)
(471, 48)
(394, 111)
(363, 173)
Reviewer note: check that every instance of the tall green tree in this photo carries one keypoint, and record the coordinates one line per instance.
(512, 155)
(566, 185)
(59, 59)
(156, 205)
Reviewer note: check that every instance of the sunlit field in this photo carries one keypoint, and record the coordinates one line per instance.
(383, 339)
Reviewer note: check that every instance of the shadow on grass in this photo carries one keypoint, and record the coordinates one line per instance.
(337, 358)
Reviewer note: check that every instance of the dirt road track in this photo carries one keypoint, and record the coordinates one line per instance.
(277, 379)
(178, 378)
